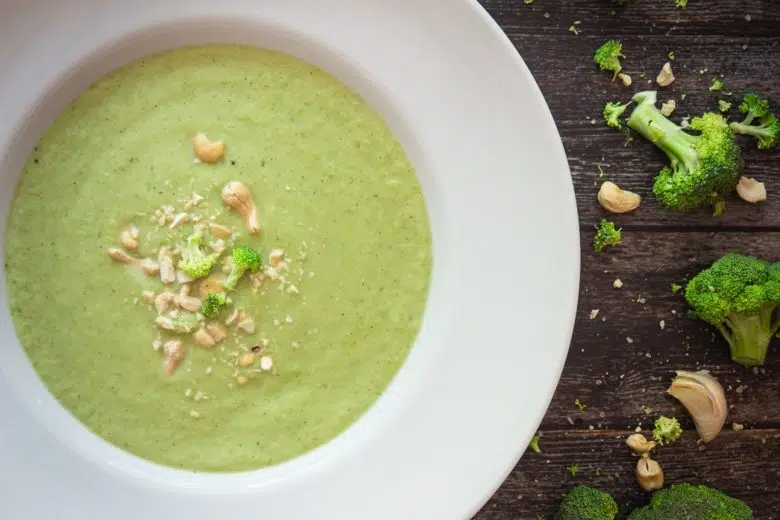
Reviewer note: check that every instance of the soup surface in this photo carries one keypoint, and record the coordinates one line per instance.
(327, 324)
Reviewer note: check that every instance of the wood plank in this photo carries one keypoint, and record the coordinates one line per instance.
(704, 40)
(617, 379)
(540, 480)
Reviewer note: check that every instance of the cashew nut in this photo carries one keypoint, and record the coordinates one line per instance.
(188, 303)
(750, 190)
(668, 107)
(204, 339)
(128, 238)
(666, 76)
(167, 269)
(237, 196)
(246, 360)
(639, 444)
(121, 256)
(207, 150)
(217, 331)
(181, 218)
(220, 231)
(275, 257)
(163, 301)
(173, 351)
(147, 265)
(616, 200)
(649, 474)
(625, 78)
(247, 325)
(705, 400)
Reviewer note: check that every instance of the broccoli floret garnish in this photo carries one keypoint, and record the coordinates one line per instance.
(723, 105)
(194, 261)
(666, 430)
(688, 501)
(587, 503)
(682, 4)
(759, 122)
(703, 168)
(606, 235)
(740, 296)
(244, 259)
(212, 304)
(534, 444)
(612, 112)
(717, 84)
(607, 57)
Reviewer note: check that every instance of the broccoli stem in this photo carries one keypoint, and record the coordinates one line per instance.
(750, 337)
(651, 124)
(745, 128)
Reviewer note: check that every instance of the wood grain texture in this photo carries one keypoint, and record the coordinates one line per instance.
(619, 378)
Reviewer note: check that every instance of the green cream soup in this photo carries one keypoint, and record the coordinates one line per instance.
(335, 319)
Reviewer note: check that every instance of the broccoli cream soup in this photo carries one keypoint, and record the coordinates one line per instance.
(218, 258)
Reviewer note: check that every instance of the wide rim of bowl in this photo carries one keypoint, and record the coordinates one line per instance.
(415, 432)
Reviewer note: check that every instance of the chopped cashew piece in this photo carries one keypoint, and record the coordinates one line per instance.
(666, 76)
(182, 277)
(149, 267)
(207, 150)
(616, 200)
(218, 246)
(203, 338)
(173, 351)
(178, 220)
(639, 443)
(220, 231)
(128, 238)
(705, 400)
(275, 257)
(217, 331)
(163, 301)
(147, 296)
(246, 360)
(668, 107)
(209, 286)
(247, 325)
(235, 316)
(167, 269)
(625, 78)
(266, 363)
(237, 196)
(188, 303)
(242, 380)
(750, 190)
(185, 290)
(649, 474)
(121, 256)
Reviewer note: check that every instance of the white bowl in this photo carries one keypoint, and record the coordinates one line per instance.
(503, 297)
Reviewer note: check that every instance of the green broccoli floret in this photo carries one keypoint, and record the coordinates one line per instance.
(606, 235)
(740, 296)
(666, 430)
(703, 168)
(759, 122)
(244, 259)
(689, 502)
(682, 4)
(723, 105)
(607, 57)
(194, 261)
(212, 304)
(612, 112)
(587, 503)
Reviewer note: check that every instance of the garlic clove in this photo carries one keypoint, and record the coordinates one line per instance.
(750, 190)
(705, 400)
(649, 474)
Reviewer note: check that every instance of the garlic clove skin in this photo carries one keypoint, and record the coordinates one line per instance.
(649, 474)
(704, 398)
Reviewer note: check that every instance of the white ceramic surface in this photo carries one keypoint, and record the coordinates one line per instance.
(506, 261)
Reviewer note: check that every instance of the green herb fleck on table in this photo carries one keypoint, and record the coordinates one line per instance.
(573, 469)
(671, 56)
(579, 404)
(682, 4)
(717, 84)
(676, 288)
(534, 444)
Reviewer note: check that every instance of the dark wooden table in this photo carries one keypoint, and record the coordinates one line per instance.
(617, 377)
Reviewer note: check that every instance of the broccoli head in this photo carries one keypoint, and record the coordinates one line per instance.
(612, 112)
(587, 503)
(703, 168)
(740, 296)
(194, 261)
(607, 57)
(759, 122)
(666, 430)
(689, 502)
(606, 235)
(244, 259)
(212, 304)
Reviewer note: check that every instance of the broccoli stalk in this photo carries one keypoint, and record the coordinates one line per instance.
(740, 296)
(767, 129)
(688, 501)
(703, 168)
(587, 503)
(194, 261)
(244, 259)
